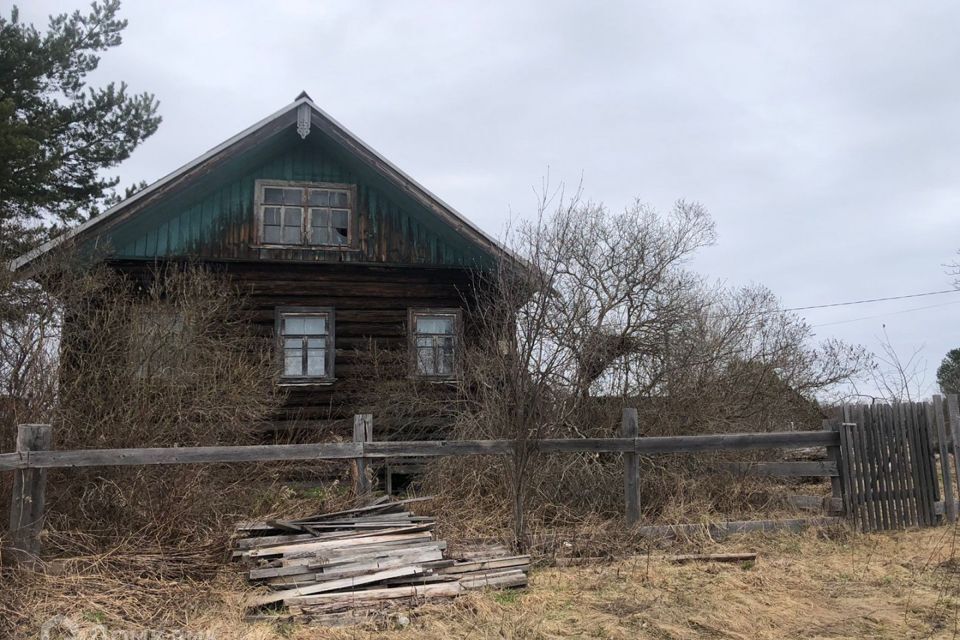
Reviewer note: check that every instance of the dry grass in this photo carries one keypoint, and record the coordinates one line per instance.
(813, 585)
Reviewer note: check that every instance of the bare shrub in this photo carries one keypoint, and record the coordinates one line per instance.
(112, 361)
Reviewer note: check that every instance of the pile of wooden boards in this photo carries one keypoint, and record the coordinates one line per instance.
(348, 566)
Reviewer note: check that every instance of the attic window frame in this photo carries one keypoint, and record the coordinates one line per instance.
(305, 227)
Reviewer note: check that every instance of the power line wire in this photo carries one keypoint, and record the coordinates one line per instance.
(882, 315)
(853, 302)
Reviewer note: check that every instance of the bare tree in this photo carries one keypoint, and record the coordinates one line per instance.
(600, 310)
(893, 377)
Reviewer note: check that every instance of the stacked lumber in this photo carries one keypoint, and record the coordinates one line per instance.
(348, 566)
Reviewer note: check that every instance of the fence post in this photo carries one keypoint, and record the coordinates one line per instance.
(833, 455)
(362, 432)
(631, 468)
(27, 503)
(953, 418)
(950, 507)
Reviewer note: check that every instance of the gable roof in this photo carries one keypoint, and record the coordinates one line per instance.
(304, 114)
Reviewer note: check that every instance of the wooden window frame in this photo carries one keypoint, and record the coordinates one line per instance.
(258, 205)
(331, 347)
(412, 314)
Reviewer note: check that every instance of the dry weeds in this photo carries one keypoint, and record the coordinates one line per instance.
(830, 584)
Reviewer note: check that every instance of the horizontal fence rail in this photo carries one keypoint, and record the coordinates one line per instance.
(50, 459)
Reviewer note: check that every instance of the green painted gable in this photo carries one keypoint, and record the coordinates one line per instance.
(211, 215)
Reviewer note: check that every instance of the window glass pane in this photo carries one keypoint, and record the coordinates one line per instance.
(317, 343)
(291, 235)
(315, 325)
(435, 324)
(292, 364)
(271, 215)
(320, 235)
(339, 217)
(320, 217)
(293, 325)
(292, 216)
(446, 362)
(319, 197)
(316, 362)
(425, 361)
(293, 196)
(339, 198)
(293, 343)
(271, 235)
(272, 195)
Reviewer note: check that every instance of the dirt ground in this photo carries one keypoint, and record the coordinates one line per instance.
(818, 584)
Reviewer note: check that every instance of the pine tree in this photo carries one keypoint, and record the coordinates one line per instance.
(948, 373)
(58, 135)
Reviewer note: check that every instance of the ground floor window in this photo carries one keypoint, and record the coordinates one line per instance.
(306, 341)
(433, 335)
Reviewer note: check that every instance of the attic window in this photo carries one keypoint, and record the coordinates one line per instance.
(305, 214)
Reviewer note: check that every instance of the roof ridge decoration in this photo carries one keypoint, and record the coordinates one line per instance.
(303, 119)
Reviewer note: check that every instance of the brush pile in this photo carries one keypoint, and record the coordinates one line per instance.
(349, 566)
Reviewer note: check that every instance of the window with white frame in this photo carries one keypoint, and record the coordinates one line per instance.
(306, 340)
(434, 341)
(305, 214)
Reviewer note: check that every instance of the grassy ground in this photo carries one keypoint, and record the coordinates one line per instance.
(831, 584)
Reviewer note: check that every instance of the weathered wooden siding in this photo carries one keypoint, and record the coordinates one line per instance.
(212, 218)
(370, 303)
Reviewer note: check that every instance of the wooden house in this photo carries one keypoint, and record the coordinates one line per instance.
(335, 245)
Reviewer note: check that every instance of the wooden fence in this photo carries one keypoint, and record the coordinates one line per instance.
(887, 465)
(34, 456)
(896, 468)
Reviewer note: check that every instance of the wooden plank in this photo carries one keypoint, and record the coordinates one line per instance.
(866, 475)
(896, 465)
(445, 589)
(941, 424)
(916, 466)
(735, 442)
(922, 460)
(28, 500)
(721, 529)
(631, 468)
(711, 557)
(856, 470)
(833, 455)
(481, 565)
(906, 471)
(816, 468)
(880, 494)
(889, 443)
(178, 455)
(928, 433)
(397, 536)
(353, 450)
(828, 504)
(953, 418)
(332, 585)
(851, 506)
(362, 434)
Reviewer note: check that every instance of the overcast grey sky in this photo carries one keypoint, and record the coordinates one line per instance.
(824, 137)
